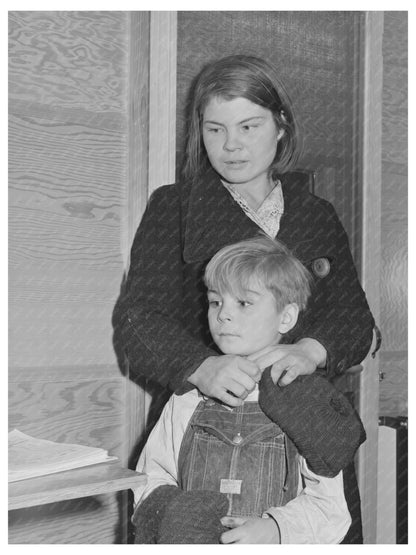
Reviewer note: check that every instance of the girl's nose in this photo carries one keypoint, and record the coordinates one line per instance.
(232, 141)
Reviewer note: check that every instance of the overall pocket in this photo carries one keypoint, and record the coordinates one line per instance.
(249, 465)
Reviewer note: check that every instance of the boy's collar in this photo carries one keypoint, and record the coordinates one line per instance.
(251, 397)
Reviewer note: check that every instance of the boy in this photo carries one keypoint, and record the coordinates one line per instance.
(221, 475)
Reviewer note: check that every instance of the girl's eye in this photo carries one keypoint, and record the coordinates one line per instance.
(244, 303)
(247, 128)
(213, 130)
(214, 304)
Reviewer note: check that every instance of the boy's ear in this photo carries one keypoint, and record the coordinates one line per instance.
(289, 318)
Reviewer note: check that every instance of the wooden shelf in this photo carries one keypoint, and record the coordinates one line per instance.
(73, 484)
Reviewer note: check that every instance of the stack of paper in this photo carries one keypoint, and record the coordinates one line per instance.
(29, 456)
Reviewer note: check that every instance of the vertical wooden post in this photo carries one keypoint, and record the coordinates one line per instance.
(138, 122)
(371, 167)
(162, 109)
(162, 99)
(137, 186)
(152, 150)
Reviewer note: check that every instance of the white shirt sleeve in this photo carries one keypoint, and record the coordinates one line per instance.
(318, 515)
(159, 458)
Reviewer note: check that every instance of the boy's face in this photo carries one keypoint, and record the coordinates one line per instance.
(245, 324)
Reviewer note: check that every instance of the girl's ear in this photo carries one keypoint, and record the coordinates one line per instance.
(289, 317)
(280, 134)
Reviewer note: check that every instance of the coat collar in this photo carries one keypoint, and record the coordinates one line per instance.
(212, 219)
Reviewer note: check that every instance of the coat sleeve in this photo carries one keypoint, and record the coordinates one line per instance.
(338, 315)
(147, 317)
(318, 419)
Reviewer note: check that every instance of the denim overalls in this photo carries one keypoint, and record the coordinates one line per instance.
(241, 453)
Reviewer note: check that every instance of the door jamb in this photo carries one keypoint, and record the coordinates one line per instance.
(370, 263)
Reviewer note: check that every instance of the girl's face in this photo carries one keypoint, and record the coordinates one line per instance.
(240, 138)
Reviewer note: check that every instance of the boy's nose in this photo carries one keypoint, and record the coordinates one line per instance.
(224, 314)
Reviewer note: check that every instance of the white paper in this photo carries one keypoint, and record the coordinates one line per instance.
(30, 457)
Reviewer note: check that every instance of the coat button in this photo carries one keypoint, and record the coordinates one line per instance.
(237, 439)
(321, 267)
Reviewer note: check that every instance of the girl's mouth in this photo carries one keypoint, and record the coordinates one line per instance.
(236, 163)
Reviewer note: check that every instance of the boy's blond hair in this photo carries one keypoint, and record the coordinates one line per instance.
(266, 261)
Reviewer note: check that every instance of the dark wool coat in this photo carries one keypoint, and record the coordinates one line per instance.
(161, 316)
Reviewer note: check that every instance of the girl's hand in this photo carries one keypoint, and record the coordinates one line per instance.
(290, 361)
(250, 530)
(228, 378)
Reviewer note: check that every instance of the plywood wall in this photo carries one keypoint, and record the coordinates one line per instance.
(68, 137)
(393, 324)
(69, 235)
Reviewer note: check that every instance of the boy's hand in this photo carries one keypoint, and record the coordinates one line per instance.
(250, 530)
(228, 378)
(290, 361)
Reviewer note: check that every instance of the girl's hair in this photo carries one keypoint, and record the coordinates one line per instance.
(266, 261)
(247, 77)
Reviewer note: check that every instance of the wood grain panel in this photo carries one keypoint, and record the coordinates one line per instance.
(393, 318)
(72, 373)
(60, 333)
(394, 385)
(395, 114)
(93, 520)
(52, 403)
(395, 38)
(68, 168)
(88, 412)
(68, 139)
(68, 58)
(394, 312)
(65, 185)
(52, 282)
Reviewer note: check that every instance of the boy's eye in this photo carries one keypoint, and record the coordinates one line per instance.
(244, 303)
(214, 303)
(247, 128)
